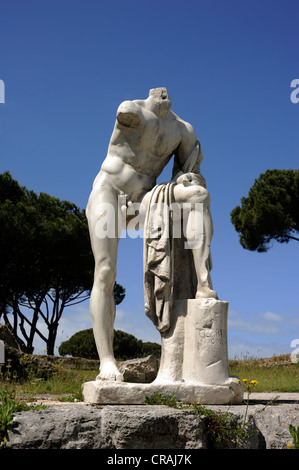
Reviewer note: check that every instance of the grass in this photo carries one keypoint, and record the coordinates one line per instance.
(276, 374)
(63, 382)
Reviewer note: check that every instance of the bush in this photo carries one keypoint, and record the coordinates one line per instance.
(81, 344)
(125, 345)
(149, 349)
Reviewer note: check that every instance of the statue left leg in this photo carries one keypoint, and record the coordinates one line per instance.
(203, 259)
(198, 200)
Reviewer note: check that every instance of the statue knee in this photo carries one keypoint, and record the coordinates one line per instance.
(191, 195)
(105, 276)
(198, 195)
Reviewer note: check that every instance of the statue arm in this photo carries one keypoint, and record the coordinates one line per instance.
(188, 155)
(129, 114)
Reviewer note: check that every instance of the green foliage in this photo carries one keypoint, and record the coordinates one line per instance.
(10, 404)
(270, 212)
(73, 398)
(81, 344)
(40, 235)
(150, 349)
(224, 429)
(119, 293)
(125, 345)
(294, 432)
(7, 407)
(159, 399)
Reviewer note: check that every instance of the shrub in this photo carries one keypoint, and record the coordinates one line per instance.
(81, 344)
(151, 349)
(125, 345)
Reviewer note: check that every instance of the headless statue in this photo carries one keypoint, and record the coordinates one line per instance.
(146, 135)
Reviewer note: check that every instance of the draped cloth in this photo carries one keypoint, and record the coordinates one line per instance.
(158, 250)
(158, 257)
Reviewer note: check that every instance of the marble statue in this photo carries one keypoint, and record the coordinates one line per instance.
(178, 229)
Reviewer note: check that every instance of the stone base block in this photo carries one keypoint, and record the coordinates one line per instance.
(106, 392)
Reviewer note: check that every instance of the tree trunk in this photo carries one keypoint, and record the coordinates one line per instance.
(52, 338)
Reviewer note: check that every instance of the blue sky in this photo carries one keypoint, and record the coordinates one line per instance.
(227, 65)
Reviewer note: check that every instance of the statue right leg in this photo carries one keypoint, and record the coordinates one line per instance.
(103, 211)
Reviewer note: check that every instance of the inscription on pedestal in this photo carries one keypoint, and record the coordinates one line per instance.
(208, 336)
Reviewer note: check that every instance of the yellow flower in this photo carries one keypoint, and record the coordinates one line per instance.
(245, 380)
(253, 382)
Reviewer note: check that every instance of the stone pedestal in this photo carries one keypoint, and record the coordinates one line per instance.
(195, 348)
(194, 361)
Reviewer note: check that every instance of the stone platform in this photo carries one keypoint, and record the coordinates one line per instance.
(105, 392)
(81, 426)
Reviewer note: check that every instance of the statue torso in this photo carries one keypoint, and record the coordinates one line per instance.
(137, 156)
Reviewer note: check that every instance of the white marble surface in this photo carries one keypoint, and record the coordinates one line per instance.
(179, 296)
